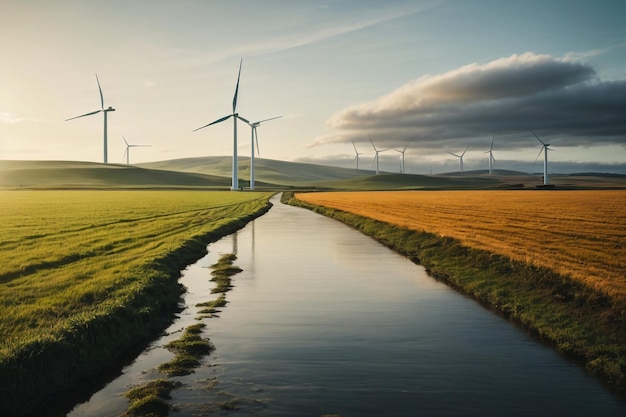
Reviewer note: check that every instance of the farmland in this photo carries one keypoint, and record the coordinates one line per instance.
(553, 262)
(78, 265)
(580, 234)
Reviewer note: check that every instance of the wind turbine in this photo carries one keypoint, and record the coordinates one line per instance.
(460, 157)
(490, 152)
(103, 110)
(544, 149)
(357, 153)
(255, 135)
(127, 151)
(235, 116)
(376, 156)
(402, 160)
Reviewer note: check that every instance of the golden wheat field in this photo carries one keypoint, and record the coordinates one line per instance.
(577, 233)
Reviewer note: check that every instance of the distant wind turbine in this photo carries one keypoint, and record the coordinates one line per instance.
(490, 152)
(235, 116)
(460, 158)
(377, 152)
(402, 160)
(357, 153)
(103, 110)
(255, 135)
(544, 149)
(127, 151)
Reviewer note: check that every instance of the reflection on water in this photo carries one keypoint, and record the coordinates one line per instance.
(326, 321)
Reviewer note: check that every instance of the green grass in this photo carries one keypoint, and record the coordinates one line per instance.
(188, 350)
(87, 275)
(150, 400)
(579, 322)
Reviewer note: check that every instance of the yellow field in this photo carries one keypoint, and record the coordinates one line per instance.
(577, 233)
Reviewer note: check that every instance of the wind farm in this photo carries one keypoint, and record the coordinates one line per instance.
(498, 281)
(187, 186)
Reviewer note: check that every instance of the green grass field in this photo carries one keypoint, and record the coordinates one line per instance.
(77, 264)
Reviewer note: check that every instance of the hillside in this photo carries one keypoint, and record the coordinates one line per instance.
(215, 173)
(266, 170)
(68, 174)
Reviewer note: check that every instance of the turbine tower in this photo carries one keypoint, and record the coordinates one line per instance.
(255, 135)
(376, 155)
(357, 153)
(544, 149)
(402, 158)
(490, 152)
(235, 116)
(460, 158)
(127, 151)
(103, 110)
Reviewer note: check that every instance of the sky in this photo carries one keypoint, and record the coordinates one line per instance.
(434, 76)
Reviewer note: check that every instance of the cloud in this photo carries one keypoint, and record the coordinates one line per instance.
(10, 118)
(332, 30)
(556, 97)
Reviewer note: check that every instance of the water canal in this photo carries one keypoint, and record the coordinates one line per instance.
(324, 320)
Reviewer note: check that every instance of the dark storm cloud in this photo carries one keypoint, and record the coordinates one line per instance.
(555, 97)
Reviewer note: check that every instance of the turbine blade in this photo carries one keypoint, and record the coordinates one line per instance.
(465, 151)
(372, 142)
(237, 87)
(492, 140)
(453, 154)
(271, 118)
(354, 146)
(538, 155)
(212, 123)
(125, 141)
(245, 120)
(83, 115)
(100, 89)
(540, 141)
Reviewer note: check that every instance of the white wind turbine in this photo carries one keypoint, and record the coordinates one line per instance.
(460, 158)
(377, 152)
(103, 110)
(255, 135)
(544, 149)
(490, 152)
(235, 116)
(357, 153)
(402, 160)
(127, 151)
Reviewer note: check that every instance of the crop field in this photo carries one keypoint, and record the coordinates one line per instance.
(581, 234)
(68, 255)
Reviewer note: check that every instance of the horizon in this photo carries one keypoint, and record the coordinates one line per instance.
(436, 75)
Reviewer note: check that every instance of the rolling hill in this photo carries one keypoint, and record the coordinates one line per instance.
(214, 173)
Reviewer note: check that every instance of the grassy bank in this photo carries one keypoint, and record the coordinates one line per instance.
(90, 277)
(577, 319)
